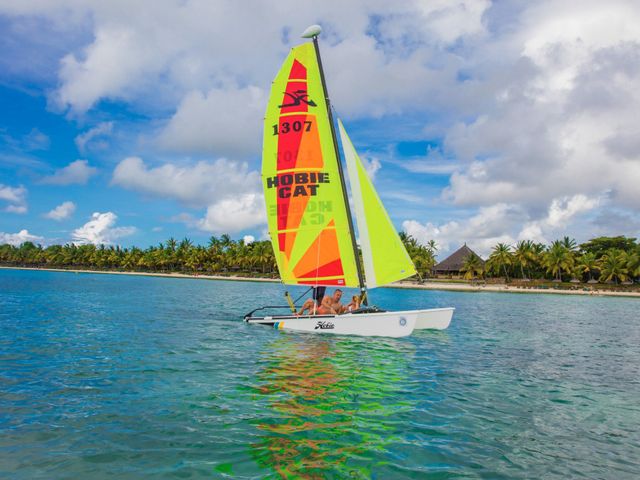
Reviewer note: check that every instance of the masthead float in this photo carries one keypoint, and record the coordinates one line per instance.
(310, 222)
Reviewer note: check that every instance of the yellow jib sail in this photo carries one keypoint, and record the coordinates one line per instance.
(385, 258)
(305, 206)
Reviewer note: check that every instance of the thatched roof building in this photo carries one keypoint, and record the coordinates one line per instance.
(454, 262)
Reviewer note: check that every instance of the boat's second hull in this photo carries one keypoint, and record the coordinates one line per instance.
(434, 318)
(381, 324)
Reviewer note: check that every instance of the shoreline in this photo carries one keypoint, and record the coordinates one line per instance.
(233, 278)
(448, 286)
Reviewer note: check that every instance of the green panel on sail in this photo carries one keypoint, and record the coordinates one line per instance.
(306, 210)
(385, 258)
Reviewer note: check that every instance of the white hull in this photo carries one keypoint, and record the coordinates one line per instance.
(434, 319)
(381, 324)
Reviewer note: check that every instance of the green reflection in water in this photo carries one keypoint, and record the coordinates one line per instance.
(332, 405)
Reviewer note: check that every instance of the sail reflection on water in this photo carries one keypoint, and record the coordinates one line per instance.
(332, 404)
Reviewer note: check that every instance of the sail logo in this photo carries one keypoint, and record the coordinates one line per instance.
(298, 184)
(324, 325)
(298, 98)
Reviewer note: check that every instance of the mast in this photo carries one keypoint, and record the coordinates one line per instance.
(363, 288)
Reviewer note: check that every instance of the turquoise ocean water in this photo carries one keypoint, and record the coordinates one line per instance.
(139, 377)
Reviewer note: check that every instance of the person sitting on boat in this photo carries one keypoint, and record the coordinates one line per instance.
(314, 305)
(355, 303)
(331, 304)
(310, 305)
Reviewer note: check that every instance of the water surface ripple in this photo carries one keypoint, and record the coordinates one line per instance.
(129, 377)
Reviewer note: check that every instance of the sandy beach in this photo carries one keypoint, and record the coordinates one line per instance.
(427, 285)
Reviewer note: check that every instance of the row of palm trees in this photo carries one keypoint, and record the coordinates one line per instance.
(562, 260)
(222, 254)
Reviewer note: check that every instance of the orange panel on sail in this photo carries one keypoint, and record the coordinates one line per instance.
(323, 251)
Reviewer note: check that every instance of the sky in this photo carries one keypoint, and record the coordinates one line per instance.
(128, 123)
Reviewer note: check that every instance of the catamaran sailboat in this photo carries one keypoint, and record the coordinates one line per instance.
(309, 217)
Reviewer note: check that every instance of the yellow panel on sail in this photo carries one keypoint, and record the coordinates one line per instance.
(305, 205)
(385, 258)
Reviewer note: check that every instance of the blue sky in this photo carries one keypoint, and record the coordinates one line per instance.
(480, 122)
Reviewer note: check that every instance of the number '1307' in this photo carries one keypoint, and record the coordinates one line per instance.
(297, 126)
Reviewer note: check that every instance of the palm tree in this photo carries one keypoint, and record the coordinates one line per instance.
(558, 258)
(263, 253)
(226, 242)
(408, 241)
(185, 244)
(214, 243)
(570, 244)
(472, 266)
(422, 256)
(633, 264)
(524, 255)
(587, 263)
(423, 260)
(613, 266)
(501, 257)
(172, 244)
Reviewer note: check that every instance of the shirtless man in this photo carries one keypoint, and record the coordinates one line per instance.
(331, 304)
(310, 305)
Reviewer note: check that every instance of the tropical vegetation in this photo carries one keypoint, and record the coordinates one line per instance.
(605, 259)
(221, 255)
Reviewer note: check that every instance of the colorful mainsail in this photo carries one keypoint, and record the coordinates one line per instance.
(384, 256)
(306, 209)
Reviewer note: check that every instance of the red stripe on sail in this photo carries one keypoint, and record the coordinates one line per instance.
(298, 71)
(333, 281)
(289, 139)
(331, 269)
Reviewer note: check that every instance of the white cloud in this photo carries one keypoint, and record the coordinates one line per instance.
(101, 229)
(403, 196)
(62, 211)
(77, 172)
(109, 64)
(16, 197)
(36, 140)
(94, 137)
(505, 223)
(224, 121)
(234, 214)
(481, 231)
(20, 209)
(157, 52)
(16, 239)
(432, 163)
(229, 190)
(560, 119)
(560, 213)
(371, 165)
(248, 239)
(196, 185)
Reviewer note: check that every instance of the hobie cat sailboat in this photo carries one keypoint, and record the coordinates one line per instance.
(308, 210)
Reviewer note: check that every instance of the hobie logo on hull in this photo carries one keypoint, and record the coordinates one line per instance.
(324, 325)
